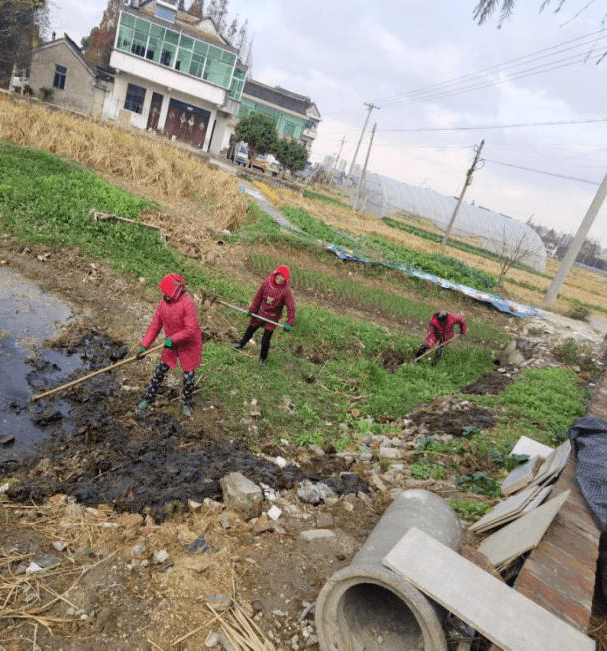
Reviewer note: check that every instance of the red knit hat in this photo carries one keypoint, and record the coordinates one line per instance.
(172, 286)
(283, 270)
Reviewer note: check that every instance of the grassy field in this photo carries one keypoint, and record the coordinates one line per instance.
(348, 317)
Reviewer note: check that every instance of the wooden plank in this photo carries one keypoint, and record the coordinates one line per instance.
(500, 613)
(523, 534)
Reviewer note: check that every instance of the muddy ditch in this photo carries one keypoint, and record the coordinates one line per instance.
(92, 451)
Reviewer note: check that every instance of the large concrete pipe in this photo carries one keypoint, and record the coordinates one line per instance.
(366, 606)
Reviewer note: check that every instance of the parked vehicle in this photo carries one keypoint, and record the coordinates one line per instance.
(260, 164)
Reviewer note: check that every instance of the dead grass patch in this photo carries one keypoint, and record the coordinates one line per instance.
(165, 171)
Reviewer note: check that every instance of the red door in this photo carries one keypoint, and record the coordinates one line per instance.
(155, 108)
(187, 123)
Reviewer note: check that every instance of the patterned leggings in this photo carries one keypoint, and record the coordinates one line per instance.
(158, 378)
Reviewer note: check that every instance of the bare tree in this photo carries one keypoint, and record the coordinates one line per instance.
(217, 12)
(516, 248)
(197, 8)
(485, 8)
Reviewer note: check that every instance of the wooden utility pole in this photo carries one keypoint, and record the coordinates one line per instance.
(576, 244)
(362, 133)
(461, 196)
(364, 172)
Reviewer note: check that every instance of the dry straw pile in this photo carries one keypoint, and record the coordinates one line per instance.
(147, 162)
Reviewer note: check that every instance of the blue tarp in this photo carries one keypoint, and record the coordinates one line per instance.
(499, 303)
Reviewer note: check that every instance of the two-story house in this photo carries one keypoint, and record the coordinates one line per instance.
(296, 116)
(174, 73)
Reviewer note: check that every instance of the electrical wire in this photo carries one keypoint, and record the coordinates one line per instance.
(479, 79)
(529, 169)
(498, 126)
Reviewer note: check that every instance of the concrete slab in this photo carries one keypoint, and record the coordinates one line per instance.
(498, 612)
(531, 448)
(520, 536)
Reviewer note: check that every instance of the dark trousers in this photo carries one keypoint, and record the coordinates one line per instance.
(265, 340)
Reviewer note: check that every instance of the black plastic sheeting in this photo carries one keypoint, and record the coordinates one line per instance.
(588, 437)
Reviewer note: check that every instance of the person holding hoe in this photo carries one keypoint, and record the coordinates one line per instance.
(441, 330)
(271, 297)
(176, 315)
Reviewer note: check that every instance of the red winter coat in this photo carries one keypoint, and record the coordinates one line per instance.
(269, 301)
(179, 321)
(439, 332)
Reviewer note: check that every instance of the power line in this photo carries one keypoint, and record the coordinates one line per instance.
(479, 78)
(498, 126)
(529, 169)
(547, 67)
(494, 68)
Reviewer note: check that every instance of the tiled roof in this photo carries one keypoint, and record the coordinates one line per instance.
(277, 96)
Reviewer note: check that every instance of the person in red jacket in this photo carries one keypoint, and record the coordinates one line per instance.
(176, 315)
(271, 297)
(440, 331)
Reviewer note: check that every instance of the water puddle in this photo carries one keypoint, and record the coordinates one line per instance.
(27, 318)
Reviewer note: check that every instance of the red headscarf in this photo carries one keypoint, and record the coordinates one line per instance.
(172, 286)
(283, 270)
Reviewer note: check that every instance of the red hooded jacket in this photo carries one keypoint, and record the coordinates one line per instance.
(269, 301)
(179, 321)
(439, 332)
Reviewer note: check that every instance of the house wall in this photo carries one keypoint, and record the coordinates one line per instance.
(79, 92)
(113, 108)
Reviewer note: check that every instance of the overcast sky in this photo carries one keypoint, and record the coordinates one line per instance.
(399, 54)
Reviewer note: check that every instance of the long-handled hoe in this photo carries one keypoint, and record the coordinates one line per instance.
(128, 360)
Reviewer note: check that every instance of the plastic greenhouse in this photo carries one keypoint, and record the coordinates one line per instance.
(383, 197)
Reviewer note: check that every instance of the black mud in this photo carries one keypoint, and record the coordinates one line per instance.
(98, 452)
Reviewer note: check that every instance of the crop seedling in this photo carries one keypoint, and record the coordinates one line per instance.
(469, 510)
(480, 483)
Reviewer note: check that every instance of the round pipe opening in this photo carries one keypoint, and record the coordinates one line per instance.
(373, 618)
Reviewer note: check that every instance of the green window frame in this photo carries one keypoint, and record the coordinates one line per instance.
(186, 42)
(183, 60)
(167, 57)
(153, 50)
(171, 37)
(196, 65)
(218, 73)
(127, 20)
(125, 38)
(181, 52)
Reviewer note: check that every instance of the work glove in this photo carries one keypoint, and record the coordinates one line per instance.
(421, 350)
(168, 343)
(287, 327)
(140, 352)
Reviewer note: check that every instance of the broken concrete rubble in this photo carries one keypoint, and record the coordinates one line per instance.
(241, 495)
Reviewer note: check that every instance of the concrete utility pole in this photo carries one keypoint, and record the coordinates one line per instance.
(461, 196)
(362, 133)
(334, 166)
(576, 244)
(364, 172)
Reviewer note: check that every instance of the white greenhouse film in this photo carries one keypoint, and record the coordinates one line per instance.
(382, 196)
